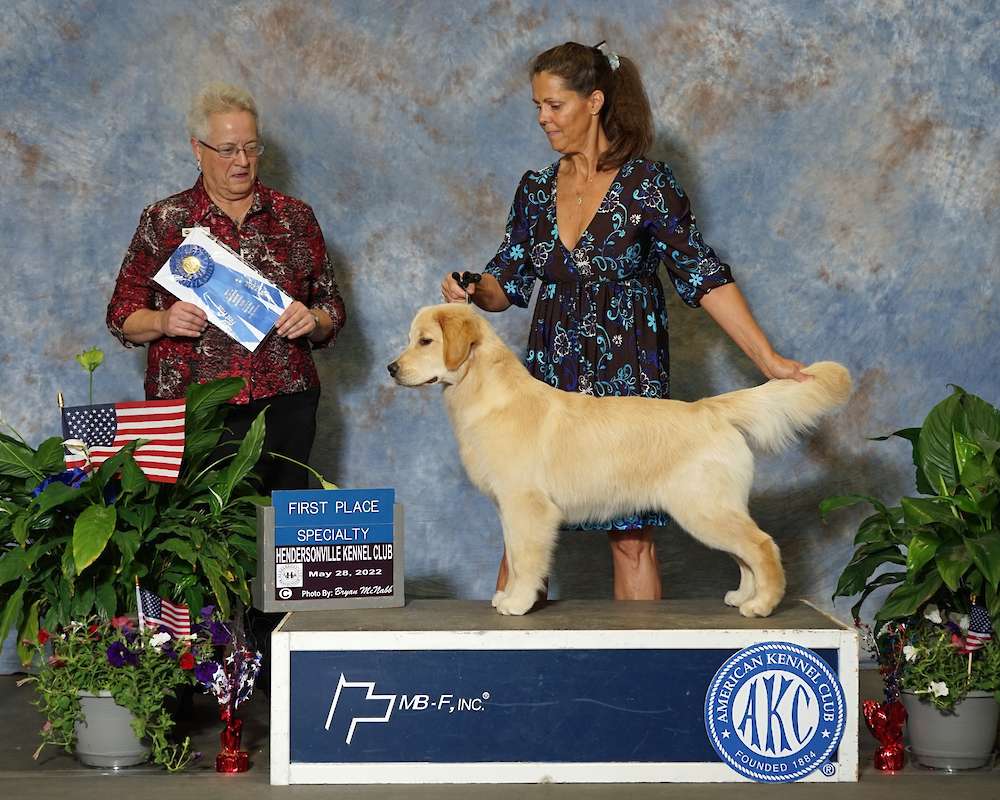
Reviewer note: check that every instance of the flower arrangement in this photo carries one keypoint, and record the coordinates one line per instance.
(142, 669)
(72, 542)
(936, 657)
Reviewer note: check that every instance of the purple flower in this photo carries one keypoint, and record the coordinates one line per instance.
(220, 633)
(205, 671)
(119, 655)
(206, 612)
(71, 477)
(116, 654)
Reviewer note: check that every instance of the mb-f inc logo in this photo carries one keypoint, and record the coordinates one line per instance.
(378, 708)
(775, 712)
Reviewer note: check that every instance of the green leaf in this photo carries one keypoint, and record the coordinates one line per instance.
(912, 435)
(919, 511)
(134, 479)
(111, 467)
(17, 461)
(91, 532)
(83, 602)
(181, 548)
(127, 543)
(965, 449)
(974, 471)
(214, 575)
(106, 599)
(12, 612)
(908, 597)
(885, 579)
(49, 458)
(55, 494)
(986, 556)
(246, 458)
(28, 632)
(980, 418)
(203, 399)
(847, 500)
(935, 446)
(988, 445)
(20, 528)
(854, 578)
(952, 561)
(13, 563)
(923, 547)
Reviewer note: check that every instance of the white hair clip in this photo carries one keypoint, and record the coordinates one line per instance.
(612, 58)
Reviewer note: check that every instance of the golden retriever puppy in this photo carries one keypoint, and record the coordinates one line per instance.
(548, 457)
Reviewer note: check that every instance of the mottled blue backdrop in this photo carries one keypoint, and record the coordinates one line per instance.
(843, 157)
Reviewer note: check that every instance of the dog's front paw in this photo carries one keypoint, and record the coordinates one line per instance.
(500, 595)
(758, 607)
(514, 605)
(737, 597)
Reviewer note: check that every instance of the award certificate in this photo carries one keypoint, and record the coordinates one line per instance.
(235, 297)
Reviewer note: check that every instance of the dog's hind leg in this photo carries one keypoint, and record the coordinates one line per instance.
(739, 596)
(530, 529)
(734, 532)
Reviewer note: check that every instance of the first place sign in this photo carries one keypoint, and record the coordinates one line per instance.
(330, 545)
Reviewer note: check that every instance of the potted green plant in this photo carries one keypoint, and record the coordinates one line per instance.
(940, 553)
(72, 545)
(105, 688)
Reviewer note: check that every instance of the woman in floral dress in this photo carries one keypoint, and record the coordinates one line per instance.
(592, 228)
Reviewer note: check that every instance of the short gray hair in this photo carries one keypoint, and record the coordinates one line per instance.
(215, 98)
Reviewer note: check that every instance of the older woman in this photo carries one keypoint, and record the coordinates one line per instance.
(593, 228)
(280, 238)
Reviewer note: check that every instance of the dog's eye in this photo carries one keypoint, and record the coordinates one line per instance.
(424, 341)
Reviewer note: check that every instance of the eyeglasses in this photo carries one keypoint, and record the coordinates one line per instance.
(227, 151)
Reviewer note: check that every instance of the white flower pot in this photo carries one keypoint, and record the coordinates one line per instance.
(104, 737)
(961, 739)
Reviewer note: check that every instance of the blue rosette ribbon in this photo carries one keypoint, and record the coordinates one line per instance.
(248, 305)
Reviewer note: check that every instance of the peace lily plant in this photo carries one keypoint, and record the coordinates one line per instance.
(939, 552)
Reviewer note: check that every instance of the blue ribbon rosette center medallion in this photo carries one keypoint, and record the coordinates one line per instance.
(192, 265)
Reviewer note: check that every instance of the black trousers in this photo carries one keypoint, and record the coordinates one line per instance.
(290, 427)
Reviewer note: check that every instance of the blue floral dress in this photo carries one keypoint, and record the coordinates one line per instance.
(600, 320)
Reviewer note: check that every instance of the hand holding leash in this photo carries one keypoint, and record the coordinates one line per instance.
(465, 283)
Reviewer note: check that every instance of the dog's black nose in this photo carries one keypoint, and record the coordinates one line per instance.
(393, 368)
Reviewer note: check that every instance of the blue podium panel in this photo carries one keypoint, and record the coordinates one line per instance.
(504, 705)
(395, 696)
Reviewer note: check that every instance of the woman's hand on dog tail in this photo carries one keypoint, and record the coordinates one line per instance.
(777, 366)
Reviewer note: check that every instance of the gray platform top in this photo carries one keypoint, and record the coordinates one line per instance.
(459, 615)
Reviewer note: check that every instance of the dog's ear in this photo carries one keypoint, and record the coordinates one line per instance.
(459, 335)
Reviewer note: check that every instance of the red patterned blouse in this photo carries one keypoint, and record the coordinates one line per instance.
(281, 239)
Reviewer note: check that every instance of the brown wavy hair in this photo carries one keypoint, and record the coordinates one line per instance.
(625, 116)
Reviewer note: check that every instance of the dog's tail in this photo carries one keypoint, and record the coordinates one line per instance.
(772, 414)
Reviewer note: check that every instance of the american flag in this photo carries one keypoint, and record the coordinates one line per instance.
(155, 612)
(105, 429)
(980, 628)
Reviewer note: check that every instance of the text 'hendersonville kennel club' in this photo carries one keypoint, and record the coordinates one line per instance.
(548, 457)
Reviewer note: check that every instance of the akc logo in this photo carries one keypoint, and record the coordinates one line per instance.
(775, 712)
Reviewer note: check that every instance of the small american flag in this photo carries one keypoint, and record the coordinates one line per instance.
(155, 612)
(106, 429)
(980, 628)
